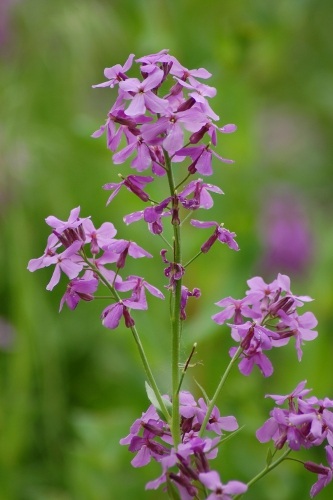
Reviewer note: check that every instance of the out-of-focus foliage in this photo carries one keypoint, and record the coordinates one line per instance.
(69, 389)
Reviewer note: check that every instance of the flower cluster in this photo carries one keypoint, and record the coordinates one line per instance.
(185, 467)
(163, 124)
(307, 422)
(158, 131)
(67, 250)
(266, 317)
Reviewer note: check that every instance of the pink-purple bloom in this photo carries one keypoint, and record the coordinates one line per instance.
(221, 491)
(221, 234)
(325, 474)
(305, 423)
(150, 438)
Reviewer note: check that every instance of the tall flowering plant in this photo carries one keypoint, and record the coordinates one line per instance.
(163, 122)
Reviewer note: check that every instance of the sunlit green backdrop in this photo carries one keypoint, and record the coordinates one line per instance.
(70, 389)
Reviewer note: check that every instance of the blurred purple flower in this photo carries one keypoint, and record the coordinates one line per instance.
(286, 236)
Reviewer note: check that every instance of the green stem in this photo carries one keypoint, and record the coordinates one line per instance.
(142, 353)
(186, 366)
(218, 390)
(150, 375)
(266, 470)
(193, 258)
(175, 317)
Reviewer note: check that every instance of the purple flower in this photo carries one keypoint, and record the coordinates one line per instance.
(236, 309)
(221, 491)
(174, 271)
(134, 183)
(141, 94)
(220, 233)
(199, 94)
(124, 248)
(183, 73)
(151, 413)
(116, 73)
(98, 238)
(112, 314)
(201, 197)
(325, 474)
(152, 59)
(79, 289)
(286, 233)
(217, 423)
(60, 226)
(152, 215)
(297, 394)
(126, 126)
(185, 294)
(69, 262)
(299, 327)
(138, 286)
(146, 446)
(52, 244)
(201, 158)
(307, 422)
(170, 126)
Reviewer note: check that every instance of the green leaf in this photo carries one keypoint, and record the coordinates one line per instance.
(269, 457)
(203, 392)
(172, 490)
(153, 399)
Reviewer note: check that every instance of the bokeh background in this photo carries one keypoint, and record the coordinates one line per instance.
(70, 389)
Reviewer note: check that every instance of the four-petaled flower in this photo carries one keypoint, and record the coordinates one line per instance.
(220, 233)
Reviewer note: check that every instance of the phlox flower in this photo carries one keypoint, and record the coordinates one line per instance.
(152, 215)
(69, 262)
(170, 125)
(52, 244)
(141, 94)
(201, 158)
(279, 428)
(118, 125)
(73, 222)
(152, 59)
(177, 69)
(221, 491)
(112, 314)
(138, 286)
(210, 128)
(116, 73)
(98, 238)
(250, 358)
(299, 327)
(134, 183)
(146, 446)
(124, 248)
(107, 257)
(238, 309)
(199, 93)
(201, 197)
(294, 398)
(220, 233)
(79, 289)
(142, 159)
(307, 422)
(175, 271)
(216, 423)
(325, 474)
(185, 294)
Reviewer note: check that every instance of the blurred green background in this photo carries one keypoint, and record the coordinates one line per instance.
(70, 389)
